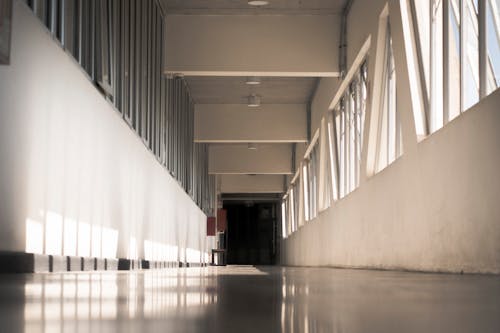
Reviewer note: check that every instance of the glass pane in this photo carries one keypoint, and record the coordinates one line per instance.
(470, 87)
(493, 45)
(436, 119)
(453, 61)
(305, 185)
(389, 127)
(391, 104)
(340, 142)
(422, 12)
(352, 142)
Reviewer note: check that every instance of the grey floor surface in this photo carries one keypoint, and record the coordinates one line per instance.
(249, 299)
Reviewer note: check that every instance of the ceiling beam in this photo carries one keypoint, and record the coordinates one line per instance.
(252, 184)
(239, 123)
(252, 45)
(238, 159)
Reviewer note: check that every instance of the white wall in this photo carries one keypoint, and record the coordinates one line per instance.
(66, 155)
(435, 208)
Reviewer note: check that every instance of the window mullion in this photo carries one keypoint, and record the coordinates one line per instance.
(483, 53)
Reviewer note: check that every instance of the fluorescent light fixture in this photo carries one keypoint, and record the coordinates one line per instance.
(253, 80)
(254, 100)
(258, 2)
(252, 146)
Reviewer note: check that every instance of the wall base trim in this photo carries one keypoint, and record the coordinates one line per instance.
(22, 262)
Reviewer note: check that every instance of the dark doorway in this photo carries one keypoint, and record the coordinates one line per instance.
(252, 233)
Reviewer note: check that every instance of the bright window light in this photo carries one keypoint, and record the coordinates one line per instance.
(471, 45)
(389, 138)
(455, 76)
(416, 94)
(493, 45)
(453, 61)
(305, 183)
(294, 199)
(332, 157)
(349, 115)
(283, 220)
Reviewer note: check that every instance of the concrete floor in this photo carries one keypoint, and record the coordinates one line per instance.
(247, 299)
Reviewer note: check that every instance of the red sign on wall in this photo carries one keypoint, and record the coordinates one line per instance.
(210, 226)
(221, 220)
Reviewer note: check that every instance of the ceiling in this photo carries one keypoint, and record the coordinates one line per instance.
(241, 7)
(234, 90)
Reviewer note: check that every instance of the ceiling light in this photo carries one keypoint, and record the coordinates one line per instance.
(252, 146)
(258, 2)
(253, 101)
(253, 80)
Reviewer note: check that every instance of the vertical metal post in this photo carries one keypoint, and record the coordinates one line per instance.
(483, 52)
(53, 17)
(432, 65)
(446, 61)
(62, 22)
(462, 53)
(78, 33)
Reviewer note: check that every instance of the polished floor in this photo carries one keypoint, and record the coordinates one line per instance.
(249, 299)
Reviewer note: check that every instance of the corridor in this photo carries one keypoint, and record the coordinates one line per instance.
(231, 165)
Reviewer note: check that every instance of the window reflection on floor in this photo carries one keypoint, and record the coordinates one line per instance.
(61, 302)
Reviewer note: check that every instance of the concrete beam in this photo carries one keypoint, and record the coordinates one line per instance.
(238, 159)
(252, 184)
(239, 123)
(244, 45)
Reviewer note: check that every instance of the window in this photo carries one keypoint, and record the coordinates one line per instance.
(310, 184)
(459, 55)
(349, 117)
(470, 52)
(294, 207)
(283, 218)
(493, 45)
(389, 140)
(305, 193)
(313, 182)
(333, 174)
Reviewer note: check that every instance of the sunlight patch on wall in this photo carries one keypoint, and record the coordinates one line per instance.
(193, 255)
(53, 234)
(109, 242)
(96, 241)
(70, 237)
(132, 249)
(34, 236)
(83, 239)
